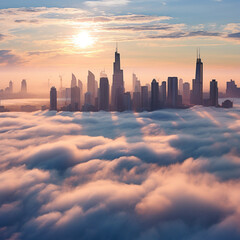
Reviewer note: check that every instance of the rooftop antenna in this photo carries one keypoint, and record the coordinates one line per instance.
(116, 46)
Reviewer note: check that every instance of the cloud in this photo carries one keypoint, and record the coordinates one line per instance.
(106, 3)
(9, 58)
(120, 175)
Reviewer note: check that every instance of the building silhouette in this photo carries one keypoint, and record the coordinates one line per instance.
(91, 85)
(214, 93)
(24, 86)
(136, 103)
(172, 98)
(232, 90)
(118, 90)
(197, 83)
(10, 87)
(163, 94)
(53, 99)
(104, 94)
(127, 103)
(144, 98)
(154, 95)
(180, 86)
(186, 93)
(75, 99)
(73, 81)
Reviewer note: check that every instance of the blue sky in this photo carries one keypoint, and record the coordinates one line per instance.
(157, 39)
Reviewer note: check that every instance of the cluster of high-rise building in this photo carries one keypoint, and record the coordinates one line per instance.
(100, 96)
(8, 91)
(173, 93)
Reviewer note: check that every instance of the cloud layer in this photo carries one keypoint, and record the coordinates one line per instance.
(170, 174)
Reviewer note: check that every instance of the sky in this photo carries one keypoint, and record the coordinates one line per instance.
(169, 174)
(40, 40)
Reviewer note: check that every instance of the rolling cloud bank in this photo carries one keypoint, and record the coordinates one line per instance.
(169, 174)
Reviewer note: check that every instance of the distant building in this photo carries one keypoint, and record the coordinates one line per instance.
(186, 93)
(163, 94)
(154, 95)
(127, 101)
(180, 86)
(91, 85)
(213, 93)
(172, 98)
(144, 98)
(24, 86)
(197, 84)
(232, 90)
(118, 90)
(104, 94)
(10, 87)
(53, 99)
(136, 101)
(73, 81)
(75, 99)
(227, 104)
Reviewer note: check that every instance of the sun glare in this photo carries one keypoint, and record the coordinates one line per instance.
(83, 40)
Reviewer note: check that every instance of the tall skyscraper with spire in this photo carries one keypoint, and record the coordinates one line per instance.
(117, 85)
(197, 88)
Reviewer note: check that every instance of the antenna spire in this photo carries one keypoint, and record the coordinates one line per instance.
(116, 46)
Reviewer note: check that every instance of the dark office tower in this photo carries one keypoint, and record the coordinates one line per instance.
(163, 94)
(186, 93)
(197, 88)
(172, 98)
(136, 101)
(214, 93)
(24, 86)
(144, 98)
(127, 101)
(154, 95)
(10, 86)
(91, 86)
(117, 85)
(53, 99)
(75, 99)
(73, 81)
(104, 94)
(180, 86)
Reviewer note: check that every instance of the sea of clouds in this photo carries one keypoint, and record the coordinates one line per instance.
(169, 174)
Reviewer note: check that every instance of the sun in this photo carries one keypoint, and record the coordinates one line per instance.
(83, 39)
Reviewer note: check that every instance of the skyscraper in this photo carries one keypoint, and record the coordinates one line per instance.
(24, 86)
(172, 98)
(197, 88)
(104, 94)
(144, 98)
(10, 86)
(180, 86)
(75, 99)
(136, 101)
(214, 93)
(154, 95)
(73, 81)
(53, 99)
(91, 85)
(117, 85)
(163, 94)
(186, 93)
